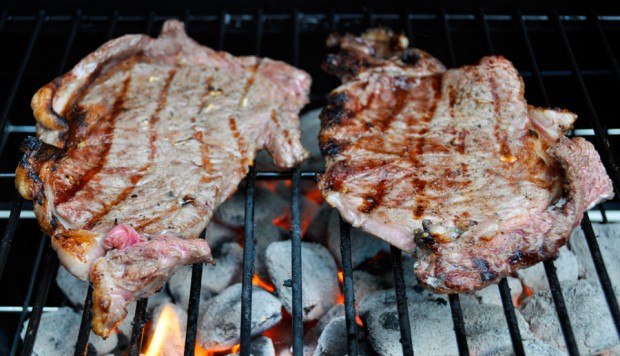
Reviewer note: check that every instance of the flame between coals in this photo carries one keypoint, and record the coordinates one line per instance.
(168, 341)
(265, 285)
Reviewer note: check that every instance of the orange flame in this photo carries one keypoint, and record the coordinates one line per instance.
(340, 277)
(168, 329)
(358, 320)
(265, 285)
(236, 348)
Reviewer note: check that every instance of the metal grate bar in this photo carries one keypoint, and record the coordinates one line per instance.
(9, 232)
(81, 346)
(554, 283)
(401, 302)
(459, 325)
(348, 289)
(298, 326)
(50, 264)
(406, 14)
(193, 307)
(605, 145)
(20, 72)
(248, 264)
(511, 317)
(608, 51)
(22, 316)
(224, 19)
(560, 306)
(445, 26)
(3, 19)
(135, 342)
(601, 270)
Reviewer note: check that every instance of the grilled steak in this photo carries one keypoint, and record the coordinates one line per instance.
(137, 146)
(453, 166)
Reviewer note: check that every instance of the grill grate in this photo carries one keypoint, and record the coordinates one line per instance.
(254, 28)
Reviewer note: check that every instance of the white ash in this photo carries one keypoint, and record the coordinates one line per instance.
(608, 239)
(431, 325)
(56, 328)
(217, 234)
(264, 234)
(588, 313)
(268, 206)
(72, 287)
(490, 294)
(180, 283)
(319, 277)
(566, 266)
(219, 324)
(365, 283)
(310, 126)
(363, 246)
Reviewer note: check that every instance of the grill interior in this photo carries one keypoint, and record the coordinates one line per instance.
(567, 57)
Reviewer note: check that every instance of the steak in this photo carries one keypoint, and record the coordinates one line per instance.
(138, 145)
(452, 165)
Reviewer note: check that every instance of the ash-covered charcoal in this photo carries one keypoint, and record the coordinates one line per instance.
(317, 229)
(58, 332)
(566, 265)
(311, 337)
(319, 277)
(608, 238)
(218, 234)
(431, 325)
(180, 285)
(333, 338)
(588, 312)
(363, 246)
(264, 234)
(219, 327)
(310, 127)
(73, 288)
(365, 283)
(490, 294)
(269, 206)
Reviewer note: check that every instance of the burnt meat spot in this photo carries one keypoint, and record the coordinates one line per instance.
(483, 266)
(331, 148)
(410, 57)
(134, 195)
(54, 222)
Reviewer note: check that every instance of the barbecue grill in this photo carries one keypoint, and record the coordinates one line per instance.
(567, 57)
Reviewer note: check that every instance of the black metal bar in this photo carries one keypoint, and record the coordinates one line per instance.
(407, 25)
(511, 317)
(558, 299)
(605, 146)
(22, 316)
(9, 232)
(248, 264)
(532, 58)
(149, 23)
(135, 342)
(81, 346)
(193, 307)
(113, 22)
(298, 326)
(448, 38)
(69, 43)
(401, 301)
(486, 30)
(221, 33)
(296, 45)
(603, 214)
(260, 25)
(459, 325)
(48, 268)
(348, 289)
(601, 270)
(608, 51)
(192, 310)
(18, 77)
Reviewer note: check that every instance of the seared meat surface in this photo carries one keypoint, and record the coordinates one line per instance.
(453, 165)
(139, 144)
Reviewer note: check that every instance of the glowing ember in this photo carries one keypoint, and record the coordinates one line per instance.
(265, 285)
(235, 348)
(340, 277)
(358, 320)
(167, 334)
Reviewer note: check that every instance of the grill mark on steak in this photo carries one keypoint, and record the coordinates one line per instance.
(154, 119)
(232, 124)
(505, 155)
(106, 127)
(274, 119)
(250, 82)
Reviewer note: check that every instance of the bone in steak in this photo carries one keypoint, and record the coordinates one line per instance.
(138, 144)
(452, 165)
